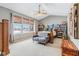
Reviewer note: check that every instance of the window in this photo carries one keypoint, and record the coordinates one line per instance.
(31, 22)
(26, 28)
(17, 24)
(26, 25)
(17, 27)
(21, 24)
(31, 27)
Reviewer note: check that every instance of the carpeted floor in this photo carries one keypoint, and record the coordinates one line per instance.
(28, 48)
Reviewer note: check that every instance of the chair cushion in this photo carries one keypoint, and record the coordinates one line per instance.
(43, 37)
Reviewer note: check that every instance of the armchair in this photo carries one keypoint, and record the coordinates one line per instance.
(41, 38)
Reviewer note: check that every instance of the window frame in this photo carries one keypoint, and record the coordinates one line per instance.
(23, 21)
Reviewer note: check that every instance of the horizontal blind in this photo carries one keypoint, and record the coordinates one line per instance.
(31, 21)
(17, 19)
(25, 20)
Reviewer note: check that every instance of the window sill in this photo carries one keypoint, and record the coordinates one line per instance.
(23, 32)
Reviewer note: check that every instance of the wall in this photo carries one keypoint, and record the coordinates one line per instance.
(53, 20)
(5, 14)
(23, 36)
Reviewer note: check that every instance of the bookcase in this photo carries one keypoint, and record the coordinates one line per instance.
(74, 21)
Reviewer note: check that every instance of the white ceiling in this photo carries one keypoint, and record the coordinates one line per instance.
(29, 9)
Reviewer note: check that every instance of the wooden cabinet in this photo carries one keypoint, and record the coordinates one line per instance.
(69, 49)
(5, 37)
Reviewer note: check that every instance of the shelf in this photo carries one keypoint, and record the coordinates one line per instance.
(74, 16)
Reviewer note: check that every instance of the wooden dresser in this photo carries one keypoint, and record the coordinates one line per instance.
(69, 49)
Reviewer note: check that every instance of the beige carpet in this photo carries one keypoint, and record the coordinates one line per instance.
(28, 48)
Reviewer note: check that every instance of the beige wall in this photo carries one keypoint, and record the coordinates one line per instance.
(5, 14)
(24, 36)
(53, 20)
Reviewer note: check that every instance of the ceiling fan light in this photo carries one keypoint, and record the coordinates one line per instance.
(41, 12)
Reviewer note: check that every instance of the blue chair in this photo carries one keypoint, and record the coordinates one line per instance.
(41, 38)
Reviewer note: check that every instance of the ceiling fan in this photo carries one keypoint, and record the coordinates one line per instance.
(41, 12)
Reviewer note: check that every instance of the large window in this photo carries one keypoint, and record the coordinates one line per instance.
(31, 22)
(17, 27)
(21, 24)
(26, 27)
(17, 24)
(31, 27)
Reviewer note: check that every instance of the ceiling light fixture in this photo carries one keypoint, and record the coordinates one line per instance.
(40, 12)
